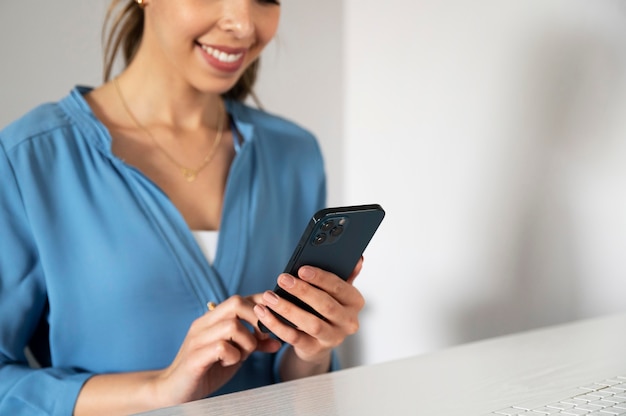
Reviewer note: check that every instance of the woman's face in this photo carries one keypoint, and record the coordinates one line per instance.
(209, 43)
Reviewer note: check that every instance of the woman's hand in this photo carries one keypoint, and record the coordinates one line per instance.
(216, 345)
(214, 348)
(335, 299)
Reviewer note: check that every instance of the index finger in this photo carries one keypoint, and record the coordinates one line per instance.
(256, 298)
(342, 291)
(237, 307)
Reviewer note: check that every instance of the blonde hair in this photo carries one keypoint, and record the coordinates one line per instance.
(123, 31)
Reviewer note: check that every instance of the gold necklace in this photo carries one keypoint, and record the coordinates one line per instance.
(190, 174)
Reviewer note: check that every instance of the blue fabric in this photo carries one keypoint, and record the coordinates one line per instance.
(100, 243)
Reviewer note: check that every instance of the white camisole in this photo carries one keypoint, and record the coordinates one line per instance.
(207, 240)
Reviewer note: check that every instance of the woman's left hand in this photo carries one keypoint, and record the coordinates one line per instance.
(334, 298)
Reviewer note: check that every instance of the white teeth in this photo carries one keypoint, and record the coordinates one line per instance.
(222, 56)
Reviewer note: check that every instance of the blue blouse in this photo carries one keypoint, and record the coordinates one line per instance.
(94, 249)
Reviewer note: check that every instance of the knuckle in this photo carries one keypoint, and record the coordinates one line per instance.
(292, 337)
(238, 300)
(338, 287)
(329, 309)
(232, 326)
(360, 302)
(284, 307)
(352, 325)
(316, 327)
(221, 348)
(249, 347)
(300, 289)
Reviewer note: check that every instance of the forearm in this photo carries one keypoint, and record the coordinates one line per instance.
(293, 367)
(124, 393)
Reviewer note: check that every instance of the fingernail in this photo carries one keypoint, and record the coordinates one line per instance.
(259, 310)
(306, 273)
(270, 297)
(286, 281)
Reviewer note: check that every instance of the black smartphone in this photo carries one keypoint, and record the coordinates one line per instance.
(334, 240)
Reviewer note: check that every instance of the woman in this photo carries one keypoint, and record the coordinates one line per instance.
(127, 209)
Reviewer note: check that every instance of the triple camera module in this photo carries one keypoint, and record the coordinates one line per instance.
(329, 231)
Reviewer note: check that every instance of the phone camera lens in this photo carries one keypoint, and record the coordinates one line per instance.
(327, 225)
(336, 232)
(319, 239)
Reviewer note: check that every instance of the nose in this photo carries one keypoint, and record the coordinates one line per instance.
(237, 18)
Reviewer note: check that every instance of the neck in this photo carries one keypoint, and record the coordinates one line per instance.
(168, 100)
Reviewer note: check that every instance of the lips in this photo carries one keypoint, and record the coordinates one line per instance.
(228, 60)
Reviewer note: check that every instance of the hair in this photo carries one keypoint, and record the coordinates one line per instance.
(122, 33)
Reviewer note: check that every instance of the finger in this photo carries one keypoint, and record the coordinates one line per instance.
(269, 345)
(285, 332)
(223, 352)
(231, 331)
(256, 298)
(340, 306)
(241, 338)
(320, 288)
(356, 271)
(238, 307)
(305, 321)
(202, 352)
(235, 307)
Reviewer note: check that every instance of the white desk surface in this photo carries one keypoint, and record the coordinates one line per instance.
(472, 379)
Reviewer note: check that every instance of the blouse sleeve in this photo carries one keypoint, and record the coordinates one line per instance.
(25, 390)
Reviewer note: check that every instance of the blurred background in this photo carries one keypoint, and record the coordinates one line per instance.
(493, 133)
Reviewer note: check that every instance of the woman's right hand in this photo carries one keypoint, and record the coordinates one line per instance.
(216, 345)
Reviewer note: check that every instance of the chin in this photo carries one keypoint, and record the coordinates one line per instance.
(217, 87)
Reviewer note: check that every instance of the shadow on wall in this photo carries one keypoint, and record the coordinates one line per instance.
(568, 100)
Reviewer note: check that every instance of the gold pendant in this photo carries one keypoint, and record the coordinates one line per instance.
(189, 174)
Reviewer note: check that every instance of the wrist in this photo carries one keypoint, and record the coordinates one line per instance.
(120, 393)
(320, 361)
(156, 391)
(295, 366)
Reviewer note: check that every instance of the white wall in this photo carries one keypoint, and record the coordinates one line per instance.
(47, 47)
(490, 131)
(494, 134)
(302, 77)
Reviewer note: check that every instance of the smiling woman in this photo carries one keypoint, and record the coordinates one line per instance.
(105, 196)
(239, 58)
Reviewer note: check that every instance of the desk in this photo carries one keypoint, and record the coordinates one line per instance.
(472, 379)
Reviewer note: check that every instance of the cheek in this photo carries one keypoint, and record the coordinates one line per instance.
(267, 28)
(177, 22)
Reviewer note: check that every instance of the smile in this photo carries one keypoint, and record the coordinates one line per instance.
(221, 55)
